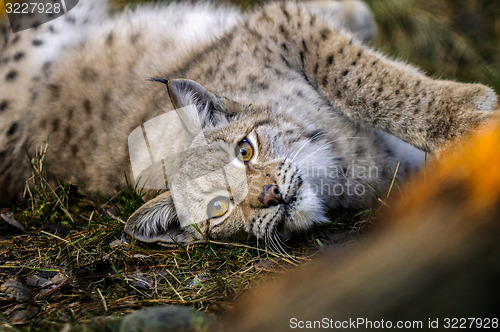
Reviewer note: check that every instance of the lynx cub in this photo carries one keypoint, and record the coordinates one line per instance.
(313, 118)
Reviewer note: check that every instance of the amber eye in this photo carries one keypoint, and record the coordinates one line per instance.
(244, 150)
(218, 207)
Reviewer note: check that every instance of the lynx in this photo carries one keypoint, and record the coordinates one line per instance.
(285, 95)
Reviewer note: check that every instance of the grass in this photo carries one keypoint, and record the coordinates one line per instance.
(73, 243)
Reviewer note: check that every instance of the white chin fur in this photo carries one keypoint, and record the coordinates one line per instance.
(309, 210)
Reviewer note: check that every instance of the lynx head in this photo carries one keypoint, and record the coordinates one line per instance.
(247, 176)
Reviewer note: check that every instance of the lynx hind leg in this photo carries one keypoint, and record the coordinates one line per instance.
(353, 15)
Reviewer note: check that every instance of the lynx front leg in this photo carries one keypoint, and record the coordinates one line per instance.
(374, 90)
(395, 97)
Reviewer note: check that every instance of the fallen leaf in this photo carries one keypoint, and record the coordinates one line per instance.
(22, 313)
(37, 281)
(16, 289)
(11, 221)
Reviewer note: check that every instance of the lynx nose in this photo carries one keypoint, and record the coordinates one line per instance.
(271, 195)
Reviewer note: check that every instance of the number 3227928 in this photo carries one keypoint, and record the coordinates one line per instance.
(471, 323)
(33, 7)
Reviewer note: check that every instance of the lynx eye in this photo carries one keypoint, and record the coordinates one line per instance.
(218, 207)
(244, 150)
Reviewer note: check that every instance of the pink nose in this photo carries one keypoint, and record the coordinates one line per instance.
(271, 195)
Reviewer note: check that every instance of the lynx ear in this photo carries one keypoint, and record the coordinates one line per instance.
(211, 107)
(183, 92)
(156, 221)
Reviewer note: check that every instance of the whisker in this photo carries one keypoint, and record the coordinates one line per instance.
(300, 149)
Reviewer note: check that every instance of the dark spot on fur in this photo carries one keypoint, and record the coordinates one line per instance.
(104, 115)
(89, 75)
(15, 39)
(396, 92)
(375, 105)
(380, 89)
(345, 72)
(87, 106)
(354, 63)
(304, 46)
(89, 131)
(67, 133)
(286, 62)
(18, 56)
(285, 47)
(316, 67)
(134, 38)
(43, 124)
(286, 14)
(263, 86)
(359, 54)
(11, 75)
(359, 82)
(374, 63)
(70, 113)
(46, 66)
(324, 33)
(13, 128)
(283, 31)
(74, 150)
(325, 80)
(329, 60)
(312, 21)
(210, 71)
(70, 19)
(106, 99)
(4, 104)
(37, 42)
(251, 78)
(55, 91)
(341, 51)
(55, 124)
(109, 39)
